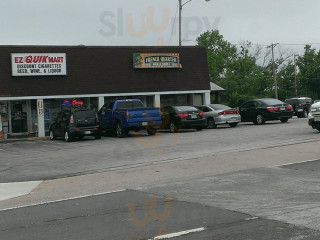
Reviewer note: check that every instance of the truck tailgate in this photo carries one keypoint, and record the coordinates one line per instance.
(143, 115)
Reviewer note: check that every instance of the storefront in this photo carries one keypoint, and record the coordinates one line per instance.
(38, 81)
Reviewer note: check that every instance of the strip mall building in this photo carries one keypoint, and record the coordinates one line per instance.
(36, 82)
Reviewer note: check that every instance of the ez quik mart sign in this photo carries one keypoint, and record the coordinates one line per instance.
(38, 64)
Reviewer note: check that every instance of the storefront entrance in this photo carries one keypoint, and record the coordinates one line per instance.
(19, 117)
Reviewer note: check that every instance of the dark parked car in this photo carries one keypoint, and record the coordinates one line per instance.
(175, 118)
(75, 123)
(259, 111)
(314, 116)
(216, 114)
(301, 106)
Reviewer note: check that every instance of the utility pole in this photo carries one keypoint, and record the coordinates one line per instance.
(180, 18)
(274, 71)
(295, 75)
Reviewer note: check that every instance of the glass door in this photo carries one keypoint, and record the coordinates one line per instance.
(19, 117)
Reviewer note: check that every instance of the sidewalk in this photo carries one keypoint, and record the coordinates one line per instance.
(24, 138)
(162, 173)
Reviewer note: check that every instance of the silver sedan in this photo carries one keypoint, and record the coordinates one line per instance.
(216, 114)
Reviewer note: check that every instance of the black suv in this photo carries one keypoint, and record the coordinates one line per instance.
(75, 123)
(300, 105)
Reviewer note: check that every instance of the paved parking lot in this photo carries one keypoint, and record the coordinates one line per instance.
(229, 183)
(44, 159)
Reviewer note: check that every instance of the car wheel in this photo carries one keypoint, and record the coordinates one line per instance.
(120, 131)
(151, 131)
(173, 128)
(199, 128)
(211, 123)
(305, 113)
(97, 136)
(233, 124)
(260, 119)
(52, 135)
(67, 136)
(284, 120)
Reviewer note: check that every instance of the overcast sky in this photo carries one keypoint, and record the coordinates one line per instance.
(149, 22)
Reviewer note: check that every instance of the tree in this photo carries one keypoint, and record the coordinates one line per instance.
(309, 76)
(219, 52)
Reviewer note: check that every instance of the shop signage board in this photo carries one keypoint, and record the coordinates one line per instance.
(156, 60)
(40, 108)
(38, 64)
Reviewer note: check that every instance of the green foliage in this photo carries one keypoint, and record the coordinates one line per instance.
(309, 76)
(237, 70)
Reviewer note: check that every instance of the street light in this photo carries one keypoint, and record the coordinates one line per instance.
(180, 11)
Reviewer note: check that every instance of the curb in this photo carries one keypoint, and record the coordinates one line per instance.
(23, 139)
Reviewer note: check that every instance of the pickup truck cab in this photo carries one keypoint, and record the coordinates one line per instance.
(314, 116)
(121, 116)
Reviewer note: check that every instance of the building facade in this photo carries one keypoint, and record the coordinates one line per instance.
(36, 82)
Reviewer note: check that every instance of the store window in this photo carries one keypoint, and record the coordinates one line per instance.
(175, 100)
(51, 110)
(4, 117)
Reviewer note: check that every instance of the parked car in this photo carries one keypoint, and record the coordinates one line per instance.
(259, 111)
(75, 123)
(216, 114)
(314, 116)
(121, 116)
(175, 118)
(301, 105)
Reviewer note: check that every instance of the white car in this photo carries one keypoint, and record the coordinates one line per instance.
(314, 116)
(216, 114)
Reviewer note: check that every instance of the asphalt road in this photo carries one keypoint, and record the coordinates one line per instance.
(263, 202)
(39, 160)
(138, 215)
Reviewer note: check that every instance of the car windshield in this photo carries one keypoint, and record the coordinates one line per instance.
(185, 108)
(219, 107)
(271, 101)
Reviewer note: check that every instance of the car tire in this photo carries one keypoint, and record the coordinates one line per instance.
(305, 113)
(318, 129)
(199, 128)
(284, 120)
(52, 136)
(173, 128)
(259, 120)
(233, 124)
(120, 130)
(211, 124)
(67, 136)
(151, 131)
(97, 136)
(300, 115)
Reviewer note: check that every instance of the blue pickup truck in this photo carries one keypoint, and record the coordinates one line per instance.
(121, 116)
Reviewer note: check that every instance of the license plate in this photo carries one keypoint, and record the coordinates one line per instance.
(144, 123)
(193, 116)
(87, 132)
(317, 119)
(282, 108)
